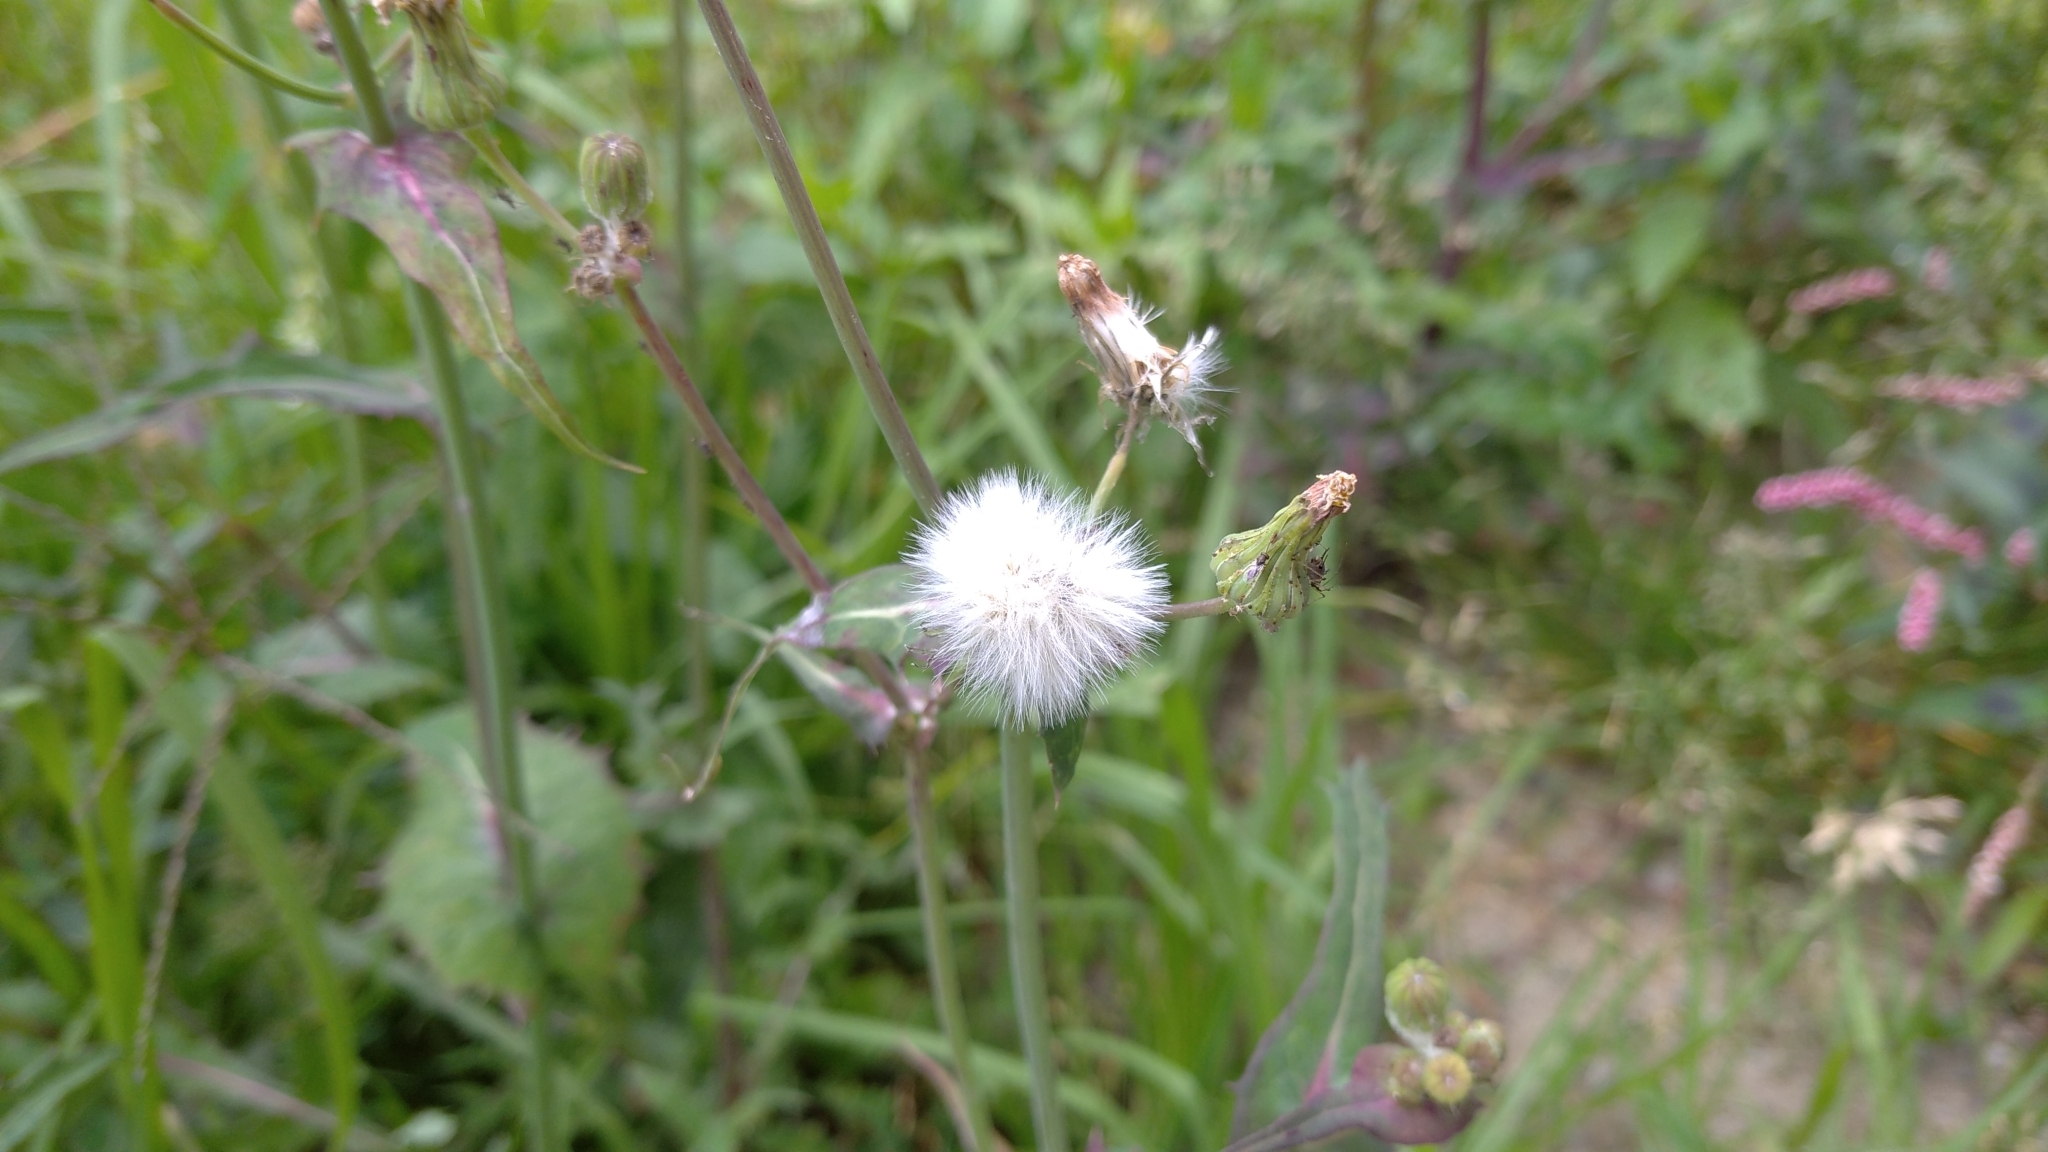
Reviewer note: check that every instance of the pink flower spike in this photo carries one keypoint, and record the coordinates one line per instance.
(1820, 488)
(1842, 291)
(2019, 548)
(1986, 877)
(1921, 611)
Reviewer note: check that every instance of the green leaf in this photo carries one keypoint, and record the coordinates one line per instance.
(1667, 239)
(876, 610)
(247, 372)
(1335, 1011)
(1063, 751)
(442, 235)
(38, 1104)
(1710, 369)
(447, 885)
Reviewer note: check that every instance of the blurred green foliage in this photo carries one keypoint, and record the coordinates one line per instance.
(1558, 355)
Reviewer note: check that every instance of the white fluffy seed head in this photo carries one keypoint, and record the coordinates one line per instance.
(1033, 602)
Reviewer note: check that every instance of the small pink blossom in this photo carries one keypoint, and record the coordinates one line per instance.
(2020, 548)
(1843, 290)
(1921, 610)
(1986, 876)
(1964, 393)
(1873, 501)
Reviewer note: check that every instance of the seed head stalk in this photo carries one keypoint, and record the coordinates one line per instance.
(1115, 470)
(481, 597)
(824, 266)
(1027, 953)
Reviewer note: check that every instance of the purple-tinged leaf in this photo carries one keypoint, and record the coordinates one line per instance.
(1336, 1008)
(442, 235)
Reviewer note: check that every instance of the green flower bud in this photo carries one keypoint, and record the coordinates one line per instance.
(1405, 1079)
(452, 88)
(615, 182)
(1447, 1078)
(1484, 1046)
(1418, 992)
(1270, 571)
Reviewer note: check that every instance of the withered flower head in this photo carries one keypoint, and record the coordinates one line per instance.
(1139, 374)
(452, 87)
(1270, 571)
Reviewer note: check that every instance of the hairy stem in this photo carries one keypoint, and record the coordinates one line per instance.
(824, 266)
(938, 944)
(736, 468)
(1216, 606)
(1115, 469)
(481, 596)
(1027, 956)
(227, 51)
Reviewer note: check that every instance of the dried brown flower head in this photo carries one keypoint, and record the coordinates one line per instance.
(1139, 374)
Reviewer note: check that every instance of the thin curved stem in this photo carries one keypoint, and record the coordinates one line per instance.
(1027, 954)
(736, 469)
(1115, 470)
(227, 51)
(487, 149)
(480, 598)
(938, 946)
(867, 367)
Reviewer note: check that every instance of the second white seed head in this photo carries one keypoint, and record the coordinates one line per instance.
(1033, 602)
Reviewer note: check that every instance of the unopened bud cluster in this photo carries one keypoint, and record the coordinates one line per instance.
(1270, 571)
(617, 190)
(1448, 1054)
(452, 87)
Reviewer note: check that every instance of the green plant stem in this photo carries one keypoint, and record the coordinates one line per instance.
(494, 158)
(938, 944)
(480, 595)
(853, 336)
(1216, 606)
(1115, 470)
(227, 51)
(1027, 956)
(736, 468)
(480, 599)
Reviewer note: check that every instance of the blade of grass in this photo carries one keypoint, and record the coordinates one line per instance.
(1027, 957)
(109, 65)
